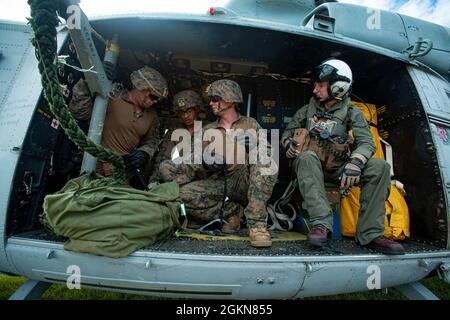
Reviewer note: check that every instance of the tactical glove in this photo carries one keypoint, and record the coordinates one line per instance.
(351, 173)
(214, 163)
(136, 160)
(138, 182)
(291, 151)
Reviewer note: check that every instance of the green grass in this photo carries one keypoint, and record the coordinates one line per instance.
(8, 285)
(440, 288)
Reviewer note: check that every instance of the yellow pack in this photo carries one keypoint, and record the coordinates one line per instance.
(397, 214)
(369, 110)
(396, 223)
(376, 139)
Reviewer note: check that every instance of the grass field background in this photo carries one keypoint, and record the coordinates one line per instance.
(8, 285)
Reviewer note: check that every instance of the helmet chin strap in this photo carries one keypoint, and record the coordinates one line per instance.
(328, 99)
(223, 109)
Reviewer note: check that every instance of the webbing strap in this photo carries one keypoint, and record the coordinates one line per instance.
(389, 157)
(276, 213)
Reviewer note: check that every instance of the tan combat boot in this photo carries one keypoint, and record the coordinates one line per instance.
(233, 223)
(260, 237)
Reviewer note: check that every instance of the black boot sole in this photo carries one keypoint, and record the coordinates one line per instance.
(386, 252)
(317, 243)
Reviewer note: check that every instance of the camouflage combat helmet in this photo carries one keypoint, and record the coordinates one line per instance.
(228, 90)
(147, 78)
(186, 99)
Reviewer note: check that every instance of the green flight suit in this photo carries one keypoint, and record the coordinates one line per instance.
(375, 177)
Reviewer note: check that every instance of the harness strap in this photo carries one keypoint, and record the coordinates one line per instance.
(389, 157)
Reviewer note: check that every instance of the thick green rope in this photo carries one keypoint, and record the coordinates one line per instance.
(44, 21)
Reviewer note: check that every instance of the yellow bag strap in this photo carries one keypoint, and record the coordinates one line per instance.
(399, 186)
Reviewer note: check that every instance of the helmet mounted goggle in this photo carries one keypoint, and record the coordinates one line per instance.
(326, 72)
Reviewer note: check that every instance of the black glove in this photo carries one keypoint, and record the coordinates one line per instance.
(214, 163)
(137, 182)
(351, 174)
(110, 70)
(136, 160)
(291, 150)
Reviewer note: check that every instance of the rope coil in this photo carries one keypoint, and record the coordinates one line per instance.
(44, 20)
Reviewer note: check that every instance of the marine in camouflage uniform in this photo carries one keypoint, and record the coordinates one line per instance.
(248, 186)
(189, 105)
(310, 170)
(131, 126)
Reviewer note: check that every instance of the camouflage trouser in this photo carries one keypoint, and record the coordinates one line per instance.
(245, 188)
(375, 188)
(180, 173)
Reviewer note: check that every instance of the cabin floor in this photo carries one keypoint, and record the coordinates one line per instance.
(284, 244)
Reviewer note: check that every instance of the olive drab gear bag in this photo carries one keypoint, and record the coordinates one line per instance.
(111, 221)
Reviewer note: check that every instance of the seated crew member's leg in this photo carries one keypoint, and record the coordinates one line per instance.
(259, 190)
(237, 193)
(203, 200)
(260, 187)
(180, 173)
(375, 188)
(312, 188)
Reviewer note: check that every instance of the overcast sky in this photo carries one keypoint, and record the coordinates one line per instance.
(437, 11)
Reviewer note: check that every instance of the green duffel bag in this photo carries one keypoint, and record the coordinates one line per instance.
(112, 221)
